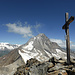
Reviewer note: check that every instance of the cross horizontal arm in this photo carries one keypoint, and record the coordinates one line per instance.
(68, 22)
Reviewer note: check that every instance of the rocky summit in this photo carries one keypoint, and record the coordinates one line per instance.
(39, 48)
(51, 67)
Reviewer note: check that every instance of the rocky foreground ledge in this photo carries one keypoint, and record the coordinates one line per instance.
(51, 67)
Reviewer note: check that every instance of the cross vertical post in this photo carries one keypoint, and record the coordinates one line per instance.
(66, 27)
(67, 39)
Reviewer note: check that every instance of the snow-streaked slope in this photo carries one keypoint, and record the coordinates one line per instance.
(41, 48)
(25, 56)
(38, 47)
(29, 46)
(59, 54)
(7, 46)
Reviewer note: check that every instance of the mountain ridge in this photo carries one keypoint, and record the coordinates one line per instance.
(7, 46)
(38, 47)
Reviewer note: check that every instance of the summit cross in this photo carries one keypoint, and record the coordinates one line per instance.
(66, 27)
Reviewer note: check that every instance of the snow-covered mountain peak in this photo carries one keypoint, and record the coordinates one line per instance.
(7, 46)
(41, 48)
(41, 38)
(38, 47)
(3, 43)
(41, 35)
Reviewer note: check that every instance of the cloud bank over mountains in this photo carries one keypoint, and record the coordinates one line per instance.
(26, 30)
(62, 43)
(59, 42)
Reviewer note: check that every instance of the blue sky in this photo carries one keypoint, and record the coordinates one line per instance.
(22, 19)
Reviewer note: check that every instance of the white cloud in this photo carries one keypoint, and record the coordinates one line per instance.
(62, 43)
(59, 42)
(37, 26)
(73, 46)
(23, 29)
(19, 29)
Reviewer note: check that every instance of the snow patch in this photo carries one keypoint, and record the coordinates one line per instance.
(25, 56)
(4, 46)
(4, 58)
(37, 37)
(59, 54)
(34, 38)
(35, 50)
(59, 51)
(48, 54)
(29, 46)
(26, 51)
(31, 54)
(56, 55)
(42, 58)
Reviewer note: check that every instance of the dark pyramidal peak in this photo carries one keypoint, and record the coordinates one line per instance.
(38, 47)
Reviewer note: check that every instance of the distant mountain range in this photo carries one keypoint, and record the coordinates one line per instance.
(7, 46)
(38, 47)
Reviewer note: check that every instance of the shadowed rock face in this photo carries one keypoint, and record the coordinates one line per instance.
(4, 52)
(9, 58)
(10, 62)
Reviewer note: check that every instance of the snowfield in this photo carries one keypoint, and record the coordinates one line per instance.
(29, 46)
(7, 46)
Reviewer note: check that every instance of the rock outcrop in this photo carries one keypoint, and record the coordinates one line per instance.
(52, 67)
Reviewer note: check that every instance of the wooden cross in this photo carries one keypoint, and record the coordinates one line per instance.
(66, 27)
